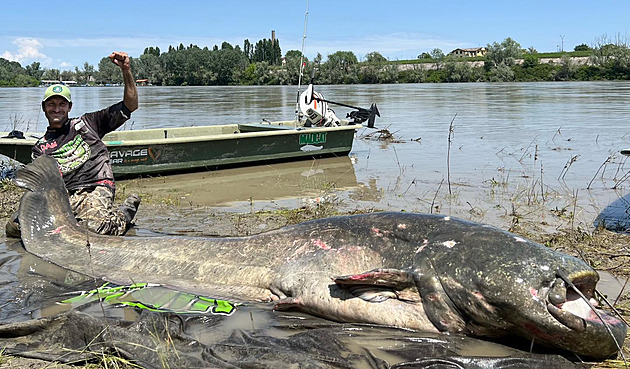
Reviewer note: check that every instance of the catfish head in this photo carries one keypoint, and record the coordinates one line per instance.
(489, 282)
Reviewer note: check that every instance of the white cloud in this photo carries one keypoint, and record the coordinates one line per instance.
(28, 50)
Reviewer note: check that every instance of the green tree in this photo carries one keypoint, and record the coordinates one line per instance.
(148, 66)
(85, 75)
(34, 70)
(375, 57)
(23, 80)
(456, 70)
(68, 75)
(501, 73)
(505, 52)
(227, 65)
(613, 57)
(292, 66)
(340, 67)
(567, 69)
(248, 50)
(51, 74)
(437, 54)
(582, 47)
(108, 72)
(155, 51)
(424, 55)
(267, 50)
(530, 60)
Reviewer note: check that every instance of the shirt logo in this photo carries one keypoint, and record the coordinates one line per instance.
(72, 155)
(48, 145)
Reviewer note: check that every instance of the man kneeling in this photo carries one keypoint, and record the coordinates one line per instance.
(83, 158)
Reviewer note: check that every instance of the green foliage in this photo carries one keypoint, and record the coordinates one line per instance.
(412, 75)
(263, 64)
(532, 72)
(108, 72)
(504, 53)
(437, 54)
(530, 61)
(12, 74)
(155, 51)
(456, 70)
(501, 73)
(267, 51)
(566, 71)
(582, 47)
(614, 59)
(435, 76)
(375, 58)
(34, 70)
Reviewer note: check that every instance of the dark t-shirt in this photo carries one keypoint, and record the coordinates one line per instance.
(82, 157)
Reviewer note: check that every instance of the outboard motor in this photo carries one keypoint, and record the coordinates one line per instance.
(316, 110)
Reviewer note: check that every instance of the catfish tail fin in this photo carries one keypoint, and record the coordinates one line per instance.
(45, 207)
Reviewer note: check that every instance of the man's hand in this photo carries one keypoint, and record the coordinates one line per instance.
(121, 59)
(130, 95)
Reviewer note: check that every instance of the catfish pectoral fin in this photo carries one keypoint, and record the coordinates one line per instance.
(289, 303)
(380, 284)
(371, 293)
(396, 278)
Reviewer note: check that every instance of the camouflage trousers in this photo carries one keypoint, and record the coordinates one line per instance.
(94, 208)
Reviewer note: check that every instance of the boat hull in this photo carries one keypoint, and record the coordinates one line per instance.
(183, 149)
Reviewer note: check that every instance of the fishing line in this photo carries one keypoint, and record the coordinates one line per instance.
(601, 295)
(89, 250)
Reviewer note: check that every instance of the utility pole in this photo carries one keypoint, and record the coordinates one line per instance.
(562, 43)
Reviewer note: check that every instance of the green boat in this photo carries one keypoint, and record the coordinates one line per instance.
(318, 133)
(164, 150)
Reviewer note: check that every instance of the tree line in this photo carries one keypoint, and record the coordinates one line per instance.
(263, 64)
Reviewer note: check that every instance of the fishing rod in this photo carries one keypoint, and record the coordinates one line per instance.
(297, 100)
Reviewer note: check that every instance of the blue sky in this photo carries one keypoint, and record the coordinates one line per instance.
(68, 33)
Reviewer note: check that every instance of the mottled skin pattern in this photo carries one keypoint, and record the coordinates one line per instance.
(425, 272)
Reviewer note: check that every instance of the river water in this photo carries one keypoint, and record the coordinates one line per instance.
(547, 152)
(511, 146)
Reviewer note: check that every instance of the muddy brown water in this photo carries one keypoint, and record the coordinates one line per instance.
(544, 152)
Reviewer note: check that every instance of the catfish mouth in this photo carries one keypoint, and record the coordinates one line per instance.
(573, 309)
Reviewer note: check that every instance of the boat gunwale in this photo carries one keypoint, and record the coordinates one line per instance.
(214, 137)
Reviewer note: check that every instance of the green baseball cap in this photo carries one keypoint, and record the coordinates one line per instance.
(57, 90)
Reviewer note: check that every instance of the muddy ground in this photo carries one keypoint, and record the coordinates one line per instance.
(602, 249)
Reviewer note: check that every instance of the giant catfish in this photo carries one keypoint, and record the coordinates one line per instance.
(423, 272)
